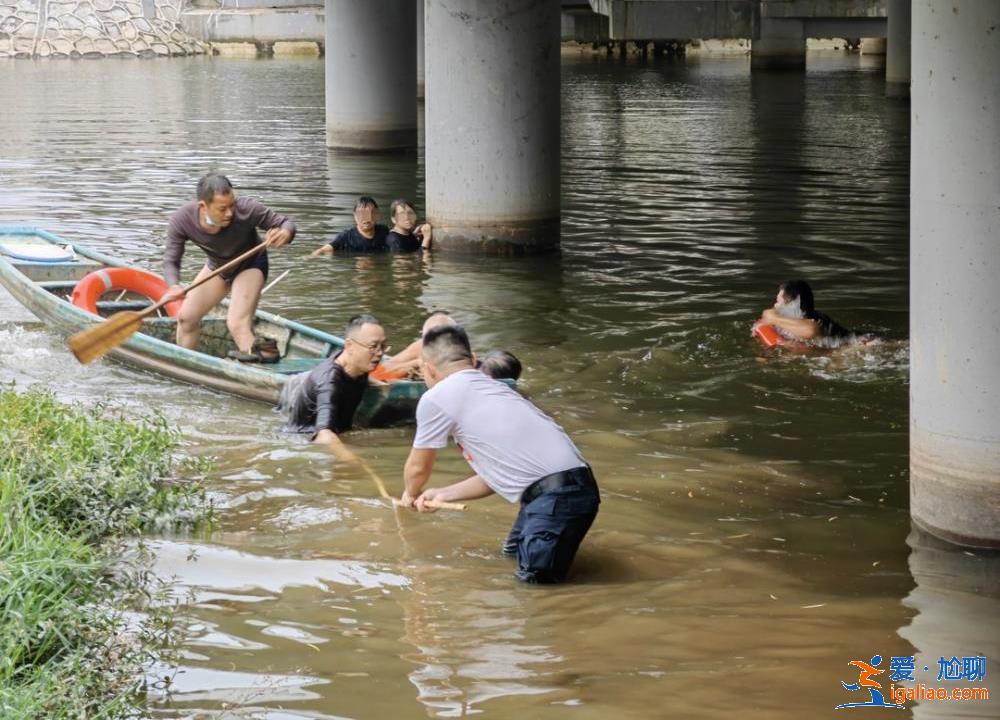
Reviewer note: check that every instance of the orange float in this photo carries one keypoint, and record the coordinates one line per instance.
(89, 290)
(384, 375)
(767, 334)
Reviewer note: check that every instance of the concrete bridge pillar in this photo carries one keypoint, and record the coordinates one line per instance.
(420, 49)
(492, 124)
(897, 61)
(371, 57)
(873, 46)
(780, 45)
(954, 265)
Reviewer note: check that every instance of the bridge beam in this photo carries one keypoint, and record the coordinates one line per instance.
(954, 265)
(492, 124)
(371, 57)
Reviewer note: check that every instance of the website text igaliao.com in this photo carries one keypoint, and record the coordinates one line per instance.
(923, 692)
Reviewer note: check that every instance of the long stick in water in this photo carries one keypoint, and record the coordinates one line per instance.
(92, 343)
(436, 504)
(274, 282)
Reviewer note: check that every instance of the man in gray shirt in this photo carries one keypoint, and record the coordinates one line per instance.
(515, 450)
(224, 226)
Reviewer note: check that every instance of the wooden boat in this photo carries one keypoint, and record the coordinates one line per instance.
(41, 270)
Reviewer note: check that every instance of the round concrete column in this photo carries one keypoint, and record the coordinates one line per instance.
(954, 266)
(897, 60)
(780, 45)
(492, 124)
(371, 57)
(420, 49)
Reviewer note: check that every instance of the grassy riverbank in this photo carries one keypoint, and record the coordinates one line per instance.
(76, 485)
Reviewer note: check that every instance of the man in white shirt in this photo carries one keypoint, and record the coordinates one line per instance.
(515, 450)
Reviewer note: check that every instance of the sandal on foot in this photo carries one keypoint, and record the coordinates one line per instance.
(263, 351)
(268, 350)
(240, 356)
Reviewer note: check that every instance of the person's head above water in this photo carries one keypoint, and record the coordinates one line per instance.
(438, 318)
(500, 365)
(366, 215)
(216, 200)
(364, 344)
(446, 349)
(795, 299)
(403, 215)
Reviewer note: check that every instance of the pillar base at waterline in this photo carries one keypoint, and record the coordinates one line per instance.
(955, 488)
(522, 238)
(778, 55)
(371, 140)
(780, 45)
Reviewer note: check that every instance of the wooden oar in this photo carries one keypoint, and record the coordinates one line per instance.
(92, 343)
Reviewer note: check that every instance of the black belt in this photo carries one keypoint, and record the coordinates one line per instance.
(581, 476)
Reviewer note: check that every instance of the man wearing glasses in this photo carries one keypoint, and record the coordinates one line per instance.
(323, 401)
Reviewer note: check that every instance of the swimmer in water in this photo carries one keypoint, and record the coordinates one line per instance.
(795, 317)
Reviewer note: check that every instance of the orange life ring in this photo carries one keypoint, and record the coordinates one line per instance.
(767, 334)
(89, 290)
(382, 374)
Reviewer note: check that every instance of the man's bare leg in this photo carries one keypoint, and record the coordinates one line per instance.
(196, 303)
(242, 306)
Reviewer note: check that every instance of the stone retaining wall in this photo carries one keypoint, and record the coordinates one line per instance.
(93, 28)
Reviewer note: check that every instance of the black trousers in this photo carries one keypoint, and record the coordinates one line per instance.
(549, 529)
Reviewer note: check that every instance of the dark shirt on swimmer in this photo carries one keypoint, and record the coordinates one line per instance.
(325, 397)
(236, 238)
(828, 327)
(385, 240)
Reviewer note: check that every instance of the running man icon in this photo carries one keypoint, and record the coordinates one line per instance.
(867, 670)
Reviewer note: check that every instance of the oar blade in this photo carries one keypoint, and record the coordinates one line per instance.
(95, 342)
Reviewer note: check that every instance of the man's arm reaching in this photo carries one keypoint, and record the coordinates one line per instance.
(471, 488)
(334, 444)
(416, 473)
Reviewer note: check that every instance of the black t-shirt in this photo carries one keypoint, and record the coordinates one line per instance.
(398, 242)
(385, 240)
(325, 397)
(353, 241)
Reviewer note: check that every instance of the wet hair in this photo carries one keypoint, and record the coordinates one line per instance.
(799, 289)
(365, 202)
(211, 185)
(500, 365)
(400, 203)
(437, 319)
(445, 345)
(358, 321)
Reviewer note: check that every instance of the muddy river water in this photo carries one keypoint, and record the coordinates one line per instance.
(753, 537)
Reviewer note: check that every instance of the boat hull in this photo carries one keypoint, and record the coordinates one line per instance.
(382, 403)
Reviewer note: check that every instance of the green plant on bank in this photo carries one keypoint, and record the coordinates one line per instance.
(78, 621)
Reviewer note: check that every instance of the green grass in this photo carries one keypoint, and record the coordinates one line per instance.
(76, 487)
